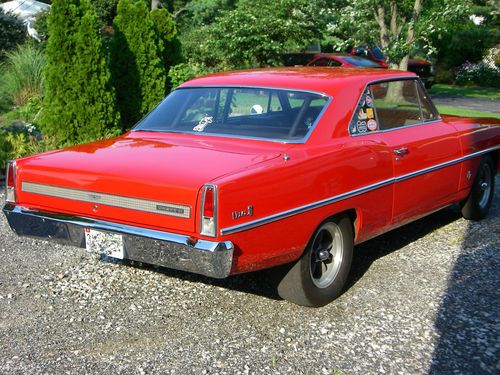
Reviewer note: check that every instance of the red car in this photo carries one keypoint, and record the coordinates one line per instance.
(346, 61)
(242, 171)
(422, 68)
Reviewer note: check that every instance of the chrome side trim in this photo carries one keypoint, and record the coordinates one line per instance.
(161, 208)
(307, 207)
(166, 249)
(349, 194)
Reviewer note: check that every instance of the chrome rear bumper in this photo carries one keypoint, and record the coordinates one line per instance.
(165, 249)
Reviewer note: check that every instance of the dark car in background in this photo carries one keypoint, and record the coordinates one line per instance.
(422, 68)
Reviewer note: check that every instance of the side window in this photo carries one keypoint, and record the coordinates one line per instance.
(334, 63)
(396, 103)
(321, 62)
(428, 111)
(364, 119)
(390, 105)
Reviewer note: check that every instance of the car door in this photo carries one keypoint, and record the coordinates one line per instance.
(421, 144)
(423, 147)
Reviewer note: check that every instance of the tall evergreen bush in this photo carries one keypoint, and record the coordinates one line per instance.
(79, 102)
(136, 61)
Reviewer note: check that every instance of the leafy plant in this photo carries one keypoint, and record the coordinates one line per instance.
(79, 101)
(22, 77)
(257, 32)
(183, 72)
(12, 32)
(136, 61)
(478, 74)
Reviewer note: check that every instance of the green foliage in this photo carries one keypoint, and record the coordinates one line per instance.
(22, 75)
(21, 140)
(41, 24)
(79, 102)
(183, 72)
(256, 33)
(478, 74)
(202, 12)
(353, 23)
(12, 32)
(468, 44)
(166, 34)
(136, 61)
(105, 10)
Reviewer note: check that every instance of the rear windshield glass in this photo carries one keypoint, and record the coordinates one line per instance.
(241, 112)
(360, 61)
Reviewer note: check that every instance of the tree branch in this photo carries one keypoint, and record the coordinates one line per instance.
(379, 14)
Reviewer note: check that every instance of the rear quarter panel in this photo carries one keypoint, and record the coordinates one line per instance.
(476, 135)
(310, 175)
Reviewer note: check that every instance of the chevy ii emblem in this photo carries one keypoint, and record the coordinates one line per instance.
(238, 214)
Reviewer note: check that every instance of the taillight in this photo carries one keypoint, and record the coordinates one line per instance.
(209, 211)
(10, 182)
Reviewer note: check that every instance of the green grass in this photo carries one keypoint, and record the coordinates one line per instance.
(470, 91)
(446, 110)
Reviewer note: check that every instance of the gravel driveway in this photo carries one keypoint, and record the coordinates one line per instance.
(422, 299)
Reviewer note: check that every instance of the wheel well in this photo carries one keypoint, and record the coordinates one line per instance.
(495, 156)
(353, 216)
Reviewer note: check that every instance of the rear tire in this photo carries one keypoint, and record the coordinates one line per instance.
(319, 276)
(477, 205)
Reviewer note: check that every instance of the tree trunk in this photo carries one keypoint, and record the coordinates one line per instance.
(155, 4)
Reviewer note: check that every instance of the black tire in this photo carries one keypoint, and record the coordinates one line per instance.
(477, 205)
(319, 276)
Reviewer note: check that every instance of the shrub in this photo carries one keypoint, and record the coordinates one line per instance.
(22, 139)
(136, 64)
(105, 10)
(12, 32)
(22, 74)
(183, 72)
(41, 24)
(478, 74)
(79, 101)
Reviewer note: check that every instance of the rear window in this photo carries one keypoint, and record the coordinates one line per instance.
(242, 112)
(360, 61)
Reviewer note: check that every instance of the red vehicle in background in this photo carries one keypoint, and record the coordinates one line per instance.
(421, 68)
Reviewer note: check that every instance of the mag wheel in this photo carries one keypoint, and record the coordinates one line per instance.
(319, 276)
(477, 204)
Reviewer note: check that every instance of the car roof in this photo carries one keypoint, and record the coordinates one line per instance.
(326, 80)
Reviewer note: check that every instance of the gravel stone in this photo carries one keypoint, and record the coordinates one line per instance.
(421, 299)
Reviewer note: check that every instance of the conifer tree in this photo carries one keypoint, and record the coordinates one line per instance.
(138, 72)
(79, 102)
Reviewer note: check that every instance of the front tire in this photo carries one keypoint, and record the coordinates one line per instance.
(477, 205)
(319, 276)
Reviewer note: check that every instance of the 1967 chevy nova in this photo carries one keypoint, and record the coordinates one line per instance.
(241, 171)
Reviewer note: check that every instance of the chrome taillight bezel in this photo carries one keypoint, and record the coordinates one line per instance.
(208, 225)
(10, 191)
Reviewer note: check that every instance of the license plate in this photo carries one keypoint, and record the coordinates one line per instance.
(105, 243)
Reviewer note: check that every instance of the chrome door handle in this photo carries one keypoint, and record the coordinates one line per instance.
(401, 151)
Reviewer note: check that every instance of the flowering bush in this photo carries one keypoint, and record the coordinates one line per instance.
(478, 74)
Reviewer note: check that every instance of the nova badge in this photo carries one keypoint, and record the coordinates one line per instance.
(238, 214)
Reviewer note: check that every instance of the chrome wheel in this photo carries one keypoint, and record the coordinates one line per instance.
(485, 182)
(326, 255)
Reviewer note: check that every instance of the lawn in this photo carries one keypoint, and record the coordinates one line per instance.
(447, 110)
(470, 91)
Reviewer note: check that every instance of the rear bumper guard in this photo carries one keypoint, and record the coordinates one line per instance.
(209, 258)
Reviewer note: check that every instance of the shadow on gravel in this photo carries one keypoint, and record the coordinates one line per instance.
(469, 314)
(260, 283)
(368, 252)
(256, 283)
